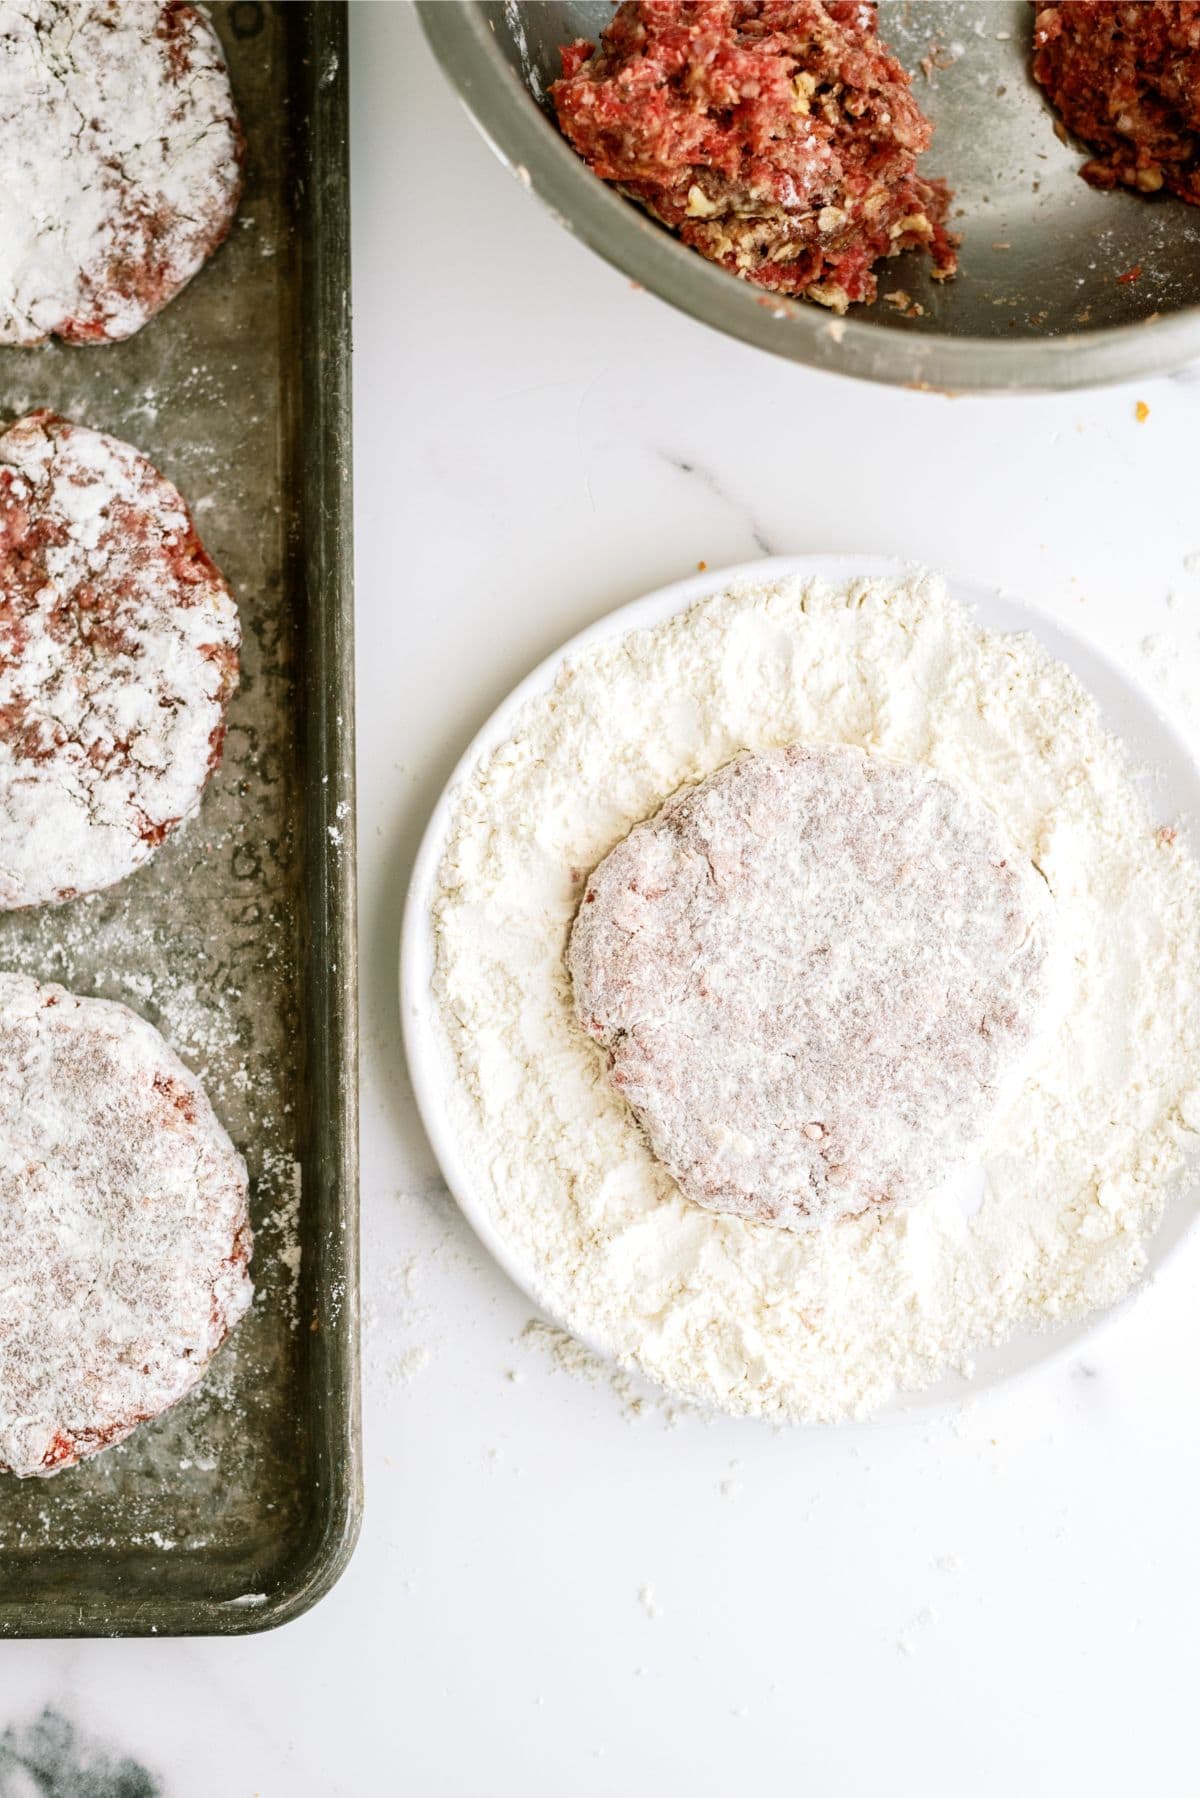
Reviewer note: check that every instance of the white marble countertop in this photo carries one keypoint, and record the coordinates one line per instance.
(550, 1590)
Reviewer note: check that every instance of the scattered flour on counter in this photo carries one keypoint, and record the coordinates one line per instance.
(732, 1487)
(395, 1308)
(567, 1354)
(1079, 1162)
(407, 1367)
(908, 1641)
(649, 1603)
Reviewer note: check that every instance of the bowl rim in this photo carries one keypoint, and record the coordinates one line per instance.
(519, 134)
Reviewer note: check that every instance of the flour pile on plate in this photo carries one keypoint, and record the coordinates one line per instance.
(1080, 1159)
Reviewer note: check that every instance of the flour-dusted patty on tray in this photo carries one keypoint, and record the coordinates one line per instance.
(778, 138)
(120, 162)
(1126, 80)
(124, 1236)
(118, 656)
(812, 973)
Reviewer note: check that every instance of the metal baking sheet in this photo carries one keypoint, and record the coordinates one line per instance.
(240, 1507)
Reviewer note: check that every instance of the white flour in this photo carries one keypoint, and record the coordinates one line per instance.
(1080, 1160)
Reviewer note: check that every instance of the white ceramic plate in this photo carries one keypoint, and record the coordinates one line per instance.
(1153, 745)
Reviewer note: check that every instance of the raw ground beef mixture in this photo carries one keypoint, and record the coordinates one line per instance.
(777, 137)
(1126, 80)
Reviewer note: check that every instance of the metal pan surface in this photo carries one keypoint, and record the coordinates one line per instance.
(240, 1507)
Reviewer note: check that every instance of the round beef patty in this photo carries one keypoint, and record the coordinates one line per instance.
(811, 974)
(120, 162)
(124, 1235)
(118, 656)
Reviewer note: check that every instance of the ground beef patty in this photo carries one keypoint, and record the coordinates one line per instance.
(118, 656)
(811, 973)
(124, 1237)
(120, 162)
(1126, 80)
(777, 137)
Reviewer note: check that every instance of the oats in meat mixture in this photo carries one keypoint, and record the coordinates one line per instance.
(1126, 80)
(777, 137)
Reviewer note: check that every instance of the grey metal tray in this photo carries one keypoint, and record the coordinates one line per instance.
(239, 1508)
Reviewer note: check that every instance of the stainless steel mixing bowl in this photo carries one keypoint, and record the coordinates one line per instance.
(1038, 302)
